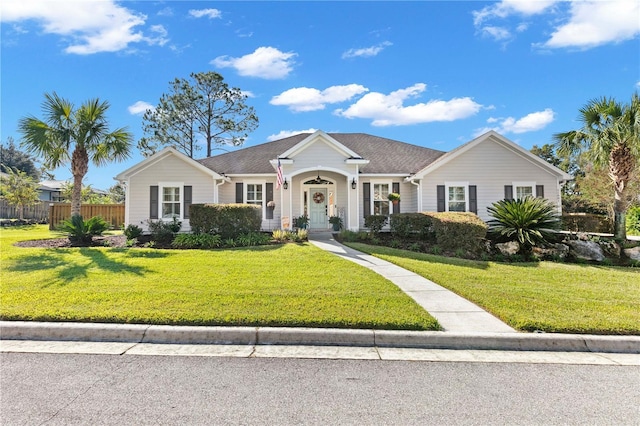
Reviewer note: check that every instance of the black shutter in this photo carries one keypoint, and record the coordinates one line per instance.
(540, 191)
(396, 189)
(153, 202)
(473, 199)
(269, 191)
(366, 199)
(508, 192)
(440, 195)
(187, 200)
(239, 193)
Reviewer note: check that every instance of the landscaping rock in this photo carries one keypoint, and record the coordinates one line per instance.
(611, 248)
(633, 253)
(557, 251)
(508, 249)
(587, 250)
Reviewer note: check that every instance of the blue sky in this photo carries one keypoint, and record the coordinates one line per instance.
(431, 73)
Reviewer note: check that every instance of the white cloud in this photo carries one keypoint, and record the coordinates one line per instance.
(248, 93)
(389, 110)
(301, 99)
(207, 13)
(638, 85)
(167, 11)
(265, 62)
(510, 7)
(366, 51)
(593, 23)
(286, 133)
(140, 107)
(496, 33)
(88, 27)
(529, 123)
(584, 24)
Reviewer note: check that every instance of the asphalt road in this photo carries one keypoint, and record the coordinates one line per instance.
(56, 389)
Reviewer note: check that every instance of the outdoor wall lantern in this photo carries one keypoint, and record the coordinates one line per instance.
(285, 184)
(354, 183)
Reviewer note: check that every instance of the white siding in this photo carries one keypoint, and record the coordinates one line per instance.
(490, 166)
(227, 195)
(320, 154)
(169, 168)
(408, 194)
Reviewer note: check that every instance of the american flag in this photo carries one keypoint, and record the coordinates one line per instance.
(280, 180)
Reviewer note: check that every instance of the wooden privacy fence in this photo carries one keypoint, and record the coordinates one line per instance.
(112, 213)
(38, 212)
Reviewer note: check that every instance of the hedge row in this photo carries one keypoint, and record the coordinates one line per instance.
(450, 231)
(226, 220)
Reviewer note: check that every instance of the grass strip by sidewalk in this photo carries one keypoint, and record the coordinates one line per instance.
(279, 285)
(546, 296)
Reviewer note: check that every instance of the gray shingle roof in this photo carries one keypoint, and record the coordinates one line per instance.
(385, 155)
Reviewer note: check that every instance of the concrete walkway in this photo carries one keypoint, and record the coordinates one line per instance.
(454, 313)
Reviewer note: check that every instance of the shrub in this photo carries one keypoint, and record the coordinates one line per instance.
(375, 223)
(348, 236)
(252, 239)
(132, 231)
(530, 221)
(455, 231)
(406, 225)
(587, 222)
(164, 232)
(81, 232)
(301, 235)
(197, 241)
(633, 220)
(227, 220)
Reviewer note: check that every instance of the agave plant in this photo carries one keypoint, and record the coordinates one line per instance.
(530, 221)
(82, 232)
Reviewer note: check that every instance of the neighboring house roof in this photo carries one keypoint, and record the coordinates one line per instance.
(386, 156)
(169, 151)
(495, 137)
(53, 185)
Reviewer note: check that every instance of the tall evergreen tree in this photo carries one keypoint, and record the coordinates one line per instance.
(202, 109)
(11, 158)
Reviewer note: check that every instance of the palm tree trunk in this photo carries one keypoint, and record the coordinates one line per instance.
(79, 168)
(621, 165)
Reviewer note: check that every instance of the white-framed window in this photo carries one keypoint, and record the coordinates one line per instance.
(381, 203)
(171, 198)
(254, 194)
(524, 189)
(457, 196)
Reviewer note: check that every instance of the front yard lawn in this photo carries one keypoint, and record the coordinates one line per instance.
(546, 296)
(279, 285)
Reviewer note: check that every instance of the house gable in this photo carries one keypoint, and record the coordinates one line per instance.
(512, 150)
(166, 154)
(322, 137)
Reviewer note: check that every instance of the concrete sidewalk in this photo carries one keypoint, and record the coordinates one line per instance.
(454, 313)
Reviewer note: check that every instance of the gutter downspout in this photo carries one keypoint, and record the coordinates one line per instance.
(419, 191)
(216, 194)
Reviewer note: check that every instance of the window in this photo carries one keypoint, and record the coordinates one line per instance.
(523, 189)
(457, 201)
(254, 194)
(170, 202)
(380, 200)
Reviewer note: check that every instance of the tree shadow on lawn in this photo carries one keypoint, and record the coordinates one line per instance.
(65, 272)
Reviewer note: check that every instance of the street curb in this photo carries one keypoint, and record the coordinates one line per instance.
(167, 334)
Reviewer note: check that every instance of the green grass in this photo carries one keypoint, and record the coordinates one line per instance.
(279, 285)
(547, 296)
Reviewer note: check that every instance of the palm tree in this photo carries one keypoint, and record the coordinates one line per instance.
(609, 137)
(74, 135)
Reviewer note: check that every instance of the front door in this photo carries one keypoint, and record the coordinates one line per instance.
(318, 208)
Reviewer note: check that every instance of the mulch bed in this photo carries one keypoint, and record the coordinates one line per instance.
(117, 241)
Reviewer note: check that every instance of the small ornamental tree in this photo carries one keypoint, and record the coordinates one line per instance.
(19, 189)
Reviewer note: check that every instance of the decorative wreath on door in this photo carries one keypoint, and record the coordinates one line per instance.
(318, 197)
